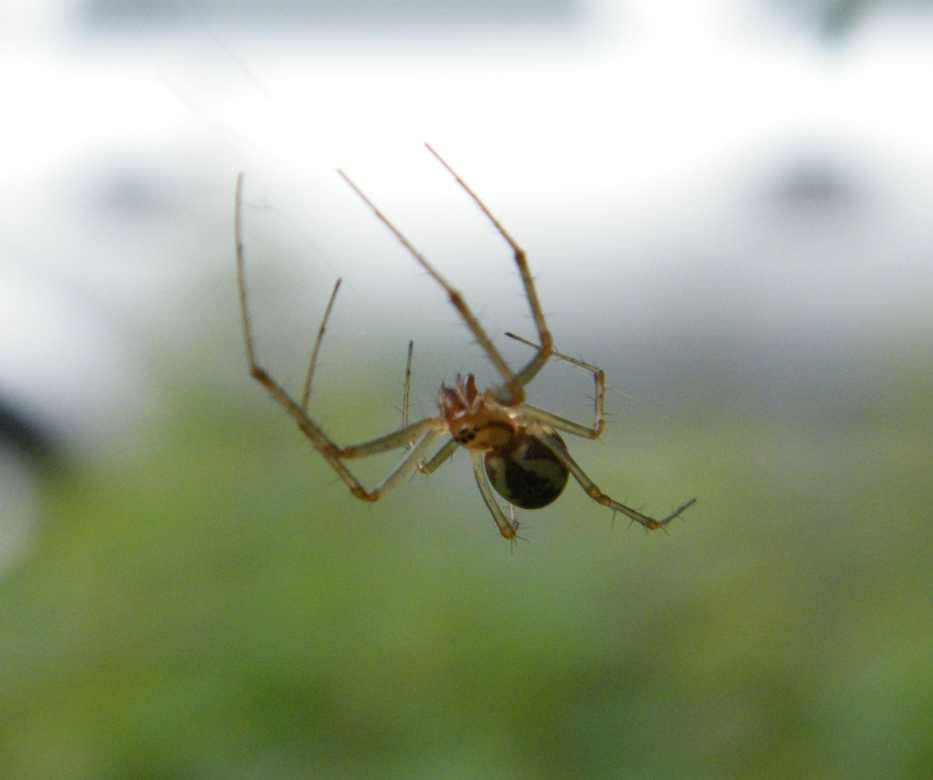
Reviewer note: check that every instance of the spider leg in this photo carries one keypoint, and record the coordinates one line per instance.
(593, 491)
(443, 454)
(407, 467)
(507, 528)
(439, 458)
(406, 392)
(456, 298)
(306, 395)
(560, 423)
(545, 347)
(599, 397)
(428, 429)
(403, 437)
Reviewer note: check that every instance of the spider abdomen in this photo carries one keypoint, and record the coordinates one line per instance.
(526, 473)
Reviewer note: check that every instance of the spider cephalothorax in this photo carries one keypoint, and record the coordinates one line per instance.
(475, 420)
(514, 447)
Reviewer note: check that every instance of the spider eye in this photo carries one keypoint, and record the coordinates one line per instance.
(527, 474)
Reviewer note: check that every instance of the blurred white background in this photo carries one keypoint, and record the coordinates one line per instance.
(721, 205)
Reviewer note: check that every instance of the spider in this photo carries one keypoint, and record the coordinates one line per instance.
(515, 448)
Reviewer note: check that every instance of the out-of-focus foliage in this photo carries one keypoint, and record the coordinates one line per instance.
(222, 609)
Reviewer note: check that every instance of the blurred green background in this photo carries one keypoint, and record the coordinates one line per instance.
(218, 607)
(199, 597)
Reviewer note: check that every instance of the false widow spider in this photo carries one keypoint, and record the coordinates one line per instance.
(514, 447)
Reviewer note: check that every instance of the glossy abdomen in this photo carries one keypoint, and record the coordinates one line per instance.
(526, 473)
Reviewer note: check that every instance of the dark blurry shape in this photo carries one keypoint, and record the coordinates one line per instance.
(345, 13)
(127, 192)
(814, 185)
(836, 19)
(22, 434)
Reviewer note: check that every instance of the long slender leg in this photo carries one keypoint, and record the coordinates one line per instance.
(599, 497)
(429, 428)
(507, 528)
(439, 458)
(537, 362)
(599, 397)
(406, 392)
(306, 395)
(407, 467)
(560, 423)
(466, 314)
(392, 441)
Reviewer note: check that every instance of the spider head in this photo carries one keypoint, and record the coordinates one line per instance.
(474, 419)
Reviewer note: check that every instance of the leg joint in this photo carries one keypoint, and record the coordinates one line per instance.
(362, 494)
(507, 532)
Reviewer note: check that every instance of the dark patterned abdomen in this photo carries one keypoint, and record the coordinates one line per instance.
(526, 473)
